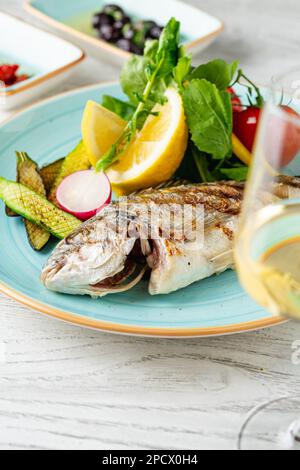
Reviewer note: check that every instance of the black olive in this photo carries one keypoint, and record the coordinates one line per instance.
(135, 49)
(128, 31)
(124, 44)
(101, 19)
(112, 9)
(126, 20)
(96, 21)
(155, 32)
(108, 33)
(148, 24)
(119, 24)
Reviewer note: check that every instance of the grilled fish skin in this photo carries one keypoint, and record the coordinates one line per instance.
(104, 256)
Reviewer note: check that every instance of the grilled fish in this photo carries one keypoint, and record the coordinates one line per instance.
(112, 252)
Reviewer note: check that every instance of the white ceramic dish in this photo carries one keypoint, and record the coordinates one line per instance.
(74, 17)
(48, 59)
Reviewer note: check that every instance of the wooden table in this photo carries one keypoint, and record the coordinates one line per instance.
(62, 387)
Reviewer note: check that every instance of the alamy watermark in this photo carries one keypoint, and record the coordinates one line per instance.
(151, 221)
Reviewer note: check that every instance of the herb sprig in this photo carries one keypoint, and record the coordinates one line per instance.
(256, 100)
(153, 73)
(206, 100)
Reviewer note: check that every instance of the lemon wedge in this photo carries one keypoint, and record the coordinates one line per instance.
(100, 128)
(156, 152)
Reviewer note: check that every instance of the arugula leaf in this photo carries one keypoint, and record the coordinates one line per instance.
(151, 48)
(133, 78)
(182, 70)
(237, 174)
(138, 70)
(217, 71)
(209, 116)
(168, 48)
(201, 161)
(121, 108)
(257, 100)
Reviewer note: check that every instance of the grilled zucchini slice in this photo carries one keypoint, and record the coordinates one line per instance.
(49, 173)
(28, 175)
(37, 209)
(10, 213)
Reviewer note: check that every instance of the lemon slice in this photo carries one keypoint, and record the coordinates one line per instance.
(156, 152)
(100, 130)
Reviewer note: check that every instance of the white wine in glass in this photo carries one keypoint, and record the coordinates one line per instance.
(267, 248)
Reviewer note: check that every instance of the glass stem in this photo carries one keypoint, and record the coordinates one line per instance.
(295, 431)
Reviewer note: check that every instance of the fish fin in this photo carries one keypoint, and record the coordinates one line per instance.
(173, 183)
(212, 220)
(223, 261)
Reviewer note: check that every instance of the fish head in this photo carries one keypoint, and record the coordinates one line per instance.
(93, 260)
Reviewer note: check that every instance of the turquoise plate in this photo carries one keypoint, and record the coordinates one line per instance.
(214, 306)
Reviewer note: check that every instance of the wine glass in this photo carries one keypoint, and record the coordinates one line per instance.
(267, 247)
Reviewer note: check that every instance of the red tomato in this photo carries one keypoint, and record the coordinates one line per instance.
(283, 142)
(245, 126)
(282, 138)
(236, 102)
(291, 137)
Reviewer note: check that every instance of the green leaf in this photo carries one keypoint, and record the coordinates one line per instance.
(201, 160)
(209, 116)
(108, 159)
(137, 72)
(236, 174)
(217, 71)
(168, 48)
(151, 48)
(133, 78)
(121, 108)
(182, 70)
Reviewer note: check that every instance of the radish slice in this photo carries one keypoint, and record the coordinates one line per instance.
(84, 193)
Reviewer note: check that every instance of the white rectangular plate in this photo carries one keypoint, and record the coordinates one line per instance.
(74, 17)
(46, 58)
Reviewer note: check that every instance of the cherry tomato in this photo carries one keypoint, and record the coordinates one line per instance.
(282, 140)
(245, 126)
(235, 100)
(291, 137)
